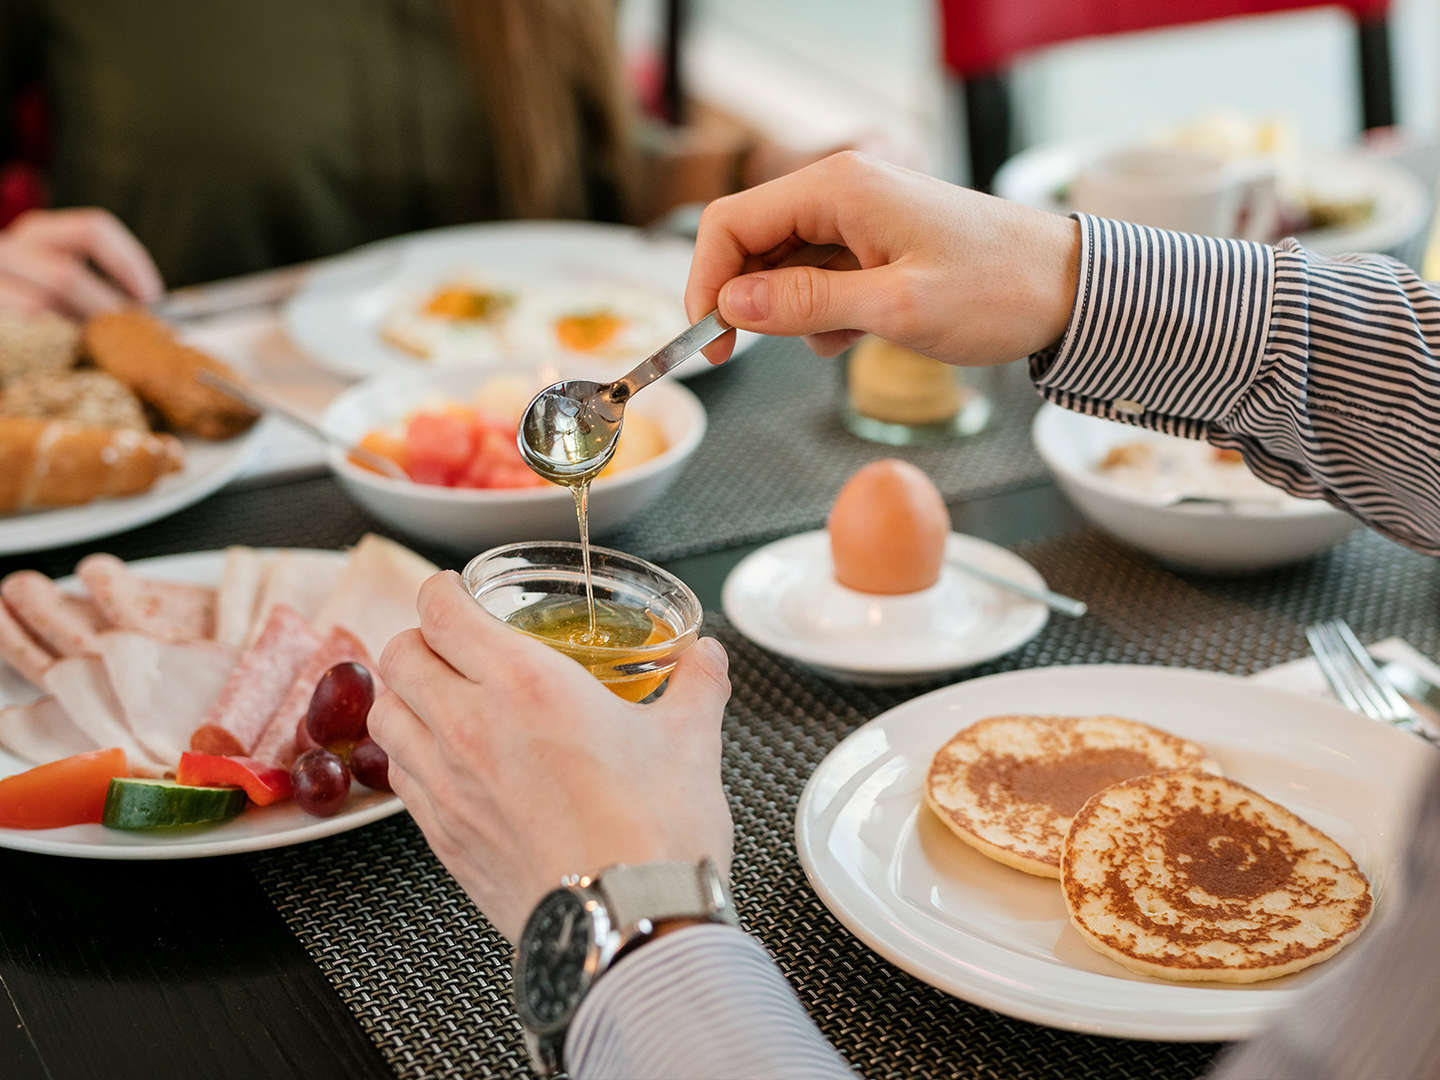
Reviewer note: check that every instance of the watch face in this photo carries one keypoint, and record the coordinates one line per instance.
(553, 951)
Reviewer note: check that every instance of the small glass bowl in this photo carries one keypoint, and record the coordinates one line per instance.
(507, 578)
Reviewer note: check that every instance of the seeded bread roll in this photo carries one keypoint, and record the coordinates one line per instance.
(34, 344)
(91, 398)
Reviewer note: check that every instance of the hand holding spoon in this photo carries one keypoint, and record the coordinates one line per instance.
(569, 431)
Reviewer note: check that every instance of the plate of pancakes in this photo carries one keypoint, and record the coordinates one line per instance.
(1137, 852)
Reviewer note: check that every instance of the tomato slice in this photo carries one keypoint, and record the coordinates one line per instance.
(70, 791)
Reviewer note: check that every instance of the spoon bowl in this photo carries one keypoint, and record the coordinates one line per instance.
(570, 430)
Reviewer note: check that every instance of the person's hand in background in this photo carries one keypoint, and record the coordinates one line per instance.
(960, 276)
(520, 767)
(76, 262)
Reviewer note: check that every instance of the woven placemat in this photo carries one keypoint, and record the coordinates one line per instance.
(776, 453)
(428, 979)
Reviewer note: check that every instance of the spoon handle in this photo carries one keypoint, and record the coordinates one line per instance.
(672, 355)
(1066, 605)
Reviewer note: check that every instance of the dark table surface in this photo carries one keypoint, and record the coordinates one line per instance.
(161, 969)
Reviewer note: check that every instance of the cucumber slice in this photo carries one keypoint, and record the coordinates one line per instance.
(163, 804)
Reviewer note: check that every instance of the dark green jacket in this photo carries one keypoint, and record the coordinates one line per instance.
(233, 135)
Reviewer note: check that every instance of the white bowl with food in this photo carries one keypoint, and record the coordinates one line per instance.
(493, 498)
(1126, 481)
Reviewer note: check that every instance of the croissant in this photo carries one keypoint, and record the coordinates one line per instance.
(142, 353)
(58, 463)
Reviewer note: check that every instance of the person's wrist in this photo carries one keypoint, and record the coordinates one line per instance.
(1059, 284)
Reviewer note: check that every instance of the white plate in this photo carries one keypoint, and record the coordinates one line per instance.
(257, 829)
(934, 906)
(785, 597)
(338, 314)
(1035, 176)
(208, 467)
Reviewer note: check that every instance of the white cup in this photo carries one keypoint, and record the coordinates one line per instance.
(1186, 190)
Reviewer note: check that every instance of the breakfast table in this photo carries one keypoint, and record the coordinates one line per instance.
(358, 956)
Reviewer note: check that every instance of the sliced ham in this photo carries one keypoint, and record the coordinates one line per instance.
(240, 585)
(67, 625)
(167, 610)
(375, 596)
(81, 687)
(302, 580)
(277, 743)
(164, 689)
(256, 685)
(41, 731)
(20, 650)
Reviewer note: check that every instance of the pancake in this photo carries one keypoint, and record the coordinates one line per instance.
(1009, 785)
(1188, 876)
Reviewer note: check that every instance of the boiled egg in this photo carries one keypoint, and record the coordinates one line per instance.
(888, 529)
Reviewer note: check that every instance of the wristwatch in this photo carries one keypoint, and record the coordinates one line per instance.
(578, 930)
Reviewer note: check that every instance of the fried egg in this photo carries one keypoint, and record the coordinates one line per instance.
(595, 321)
(461, 319)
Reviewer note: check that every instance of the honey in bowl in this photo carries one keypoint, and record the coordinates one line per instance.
(619, 638)
(645, 617)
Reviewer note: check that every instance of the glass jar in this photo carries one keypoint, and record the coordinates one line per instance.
(897, 396)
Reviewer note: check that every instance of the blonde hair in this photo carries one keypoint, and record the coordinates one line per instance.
(551, 91)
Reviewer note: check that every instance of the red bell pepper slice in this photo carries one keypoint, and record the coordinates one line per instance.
(70, 791)
(264, 784)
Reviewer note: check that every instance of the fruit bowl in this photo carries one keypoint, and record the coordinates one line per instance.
(472, 519)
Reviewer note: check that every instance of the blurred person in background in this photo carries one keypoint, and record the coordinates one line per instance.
(213, 139)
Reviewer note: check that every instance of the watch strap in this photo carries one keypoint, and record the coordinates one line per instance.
(655, 892)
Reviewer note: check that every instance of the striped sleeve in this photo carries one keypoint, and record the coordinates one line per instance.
(1323, 373)
(703, 1002)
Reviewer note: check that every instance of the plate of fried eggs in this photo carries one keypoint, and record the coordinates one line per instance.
(481, 294)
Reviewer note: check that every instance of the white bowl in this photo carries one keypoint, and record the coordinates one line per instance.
(1215, 539)
(470, 519)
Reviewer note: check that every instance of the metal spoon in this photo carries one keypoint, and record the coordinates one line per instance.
(262, 403)
(569, 431)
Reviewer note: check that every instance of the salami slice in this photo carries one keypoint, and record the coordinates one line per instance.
(277, 744)
(239, 715)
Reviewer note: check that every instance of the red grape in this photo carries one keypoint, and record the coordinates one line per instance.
(322, 782)
(370, 764)
(340, 704)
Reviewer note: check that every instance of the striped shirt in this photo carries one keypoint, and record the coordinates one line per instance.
(1323, 373)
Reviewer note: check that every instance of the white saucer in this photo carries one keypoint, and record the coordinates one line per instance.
(785, 598)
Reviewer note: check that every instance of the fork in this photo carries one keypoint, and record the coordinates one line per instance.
(1354, 677)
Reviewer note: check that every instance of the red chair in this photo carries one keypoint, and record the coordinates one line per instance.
(22, 185)
(983, 37)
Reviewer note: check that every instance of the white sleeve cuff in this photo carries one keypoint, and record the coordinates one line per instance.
(703, 1002)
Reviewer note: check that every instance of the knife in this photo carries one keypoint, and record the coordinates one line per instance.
(261, 289)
